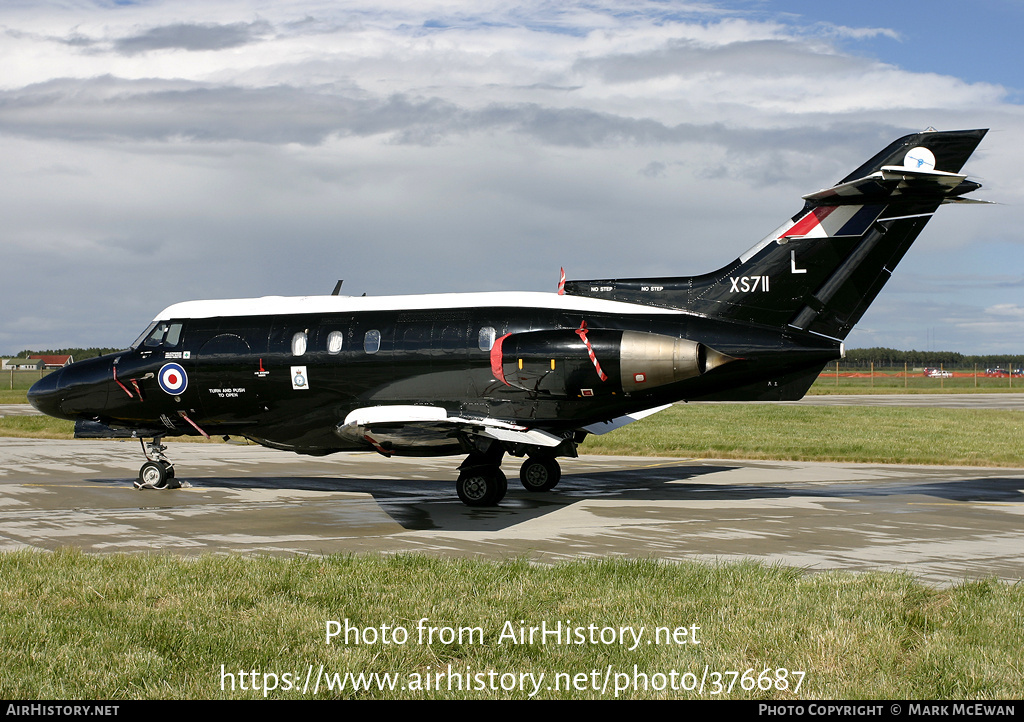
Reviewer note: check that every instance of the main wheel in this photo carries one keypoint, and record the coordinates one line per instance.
(153, 474)
(481, 486)
(540, 473)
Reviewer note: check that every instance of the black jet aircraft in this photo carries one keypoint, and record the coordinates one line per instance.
(527, 374)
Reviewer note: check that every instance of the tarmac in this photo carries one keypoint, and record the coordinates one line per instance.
(941, 524)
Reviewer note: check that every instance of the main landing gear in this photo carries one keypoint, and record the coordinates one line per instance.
(540, 473)
(158, 471)
(481, 481)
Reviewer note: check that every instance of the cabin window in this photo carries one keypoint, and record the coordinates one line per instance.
(299, 343)
(335, 339)
(371, 341)
(486, 338)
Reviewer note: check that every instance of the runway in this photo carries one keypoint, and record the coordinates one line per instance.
(942, 524)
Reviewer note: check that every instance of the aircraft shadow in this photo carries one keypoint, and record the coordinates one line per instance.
(431, 504)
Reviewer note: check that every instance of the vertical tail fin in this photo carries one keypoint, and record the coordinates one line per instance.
(821, 269)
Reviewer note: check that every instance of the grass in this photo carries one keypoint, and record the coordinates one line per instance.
(894, 435)
(128, 627)
(36, 427)
(860, 381)
(14, 385)
(891, 435)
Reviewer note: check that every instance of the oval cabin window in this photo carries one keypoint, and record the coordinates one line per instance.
(486, 338)
(371, 341)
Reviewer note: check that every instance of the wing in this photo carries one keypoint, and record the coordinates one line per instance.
(426, 430)
(423, 430)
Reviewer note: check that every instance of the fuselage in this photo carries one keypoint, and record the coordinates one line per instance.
(286, 372)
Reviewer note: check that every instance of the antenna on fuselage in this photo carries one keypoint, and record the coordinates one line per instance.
(337, 287)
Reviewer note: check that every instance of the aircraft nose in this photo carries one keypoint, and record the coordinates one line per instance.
(44, 395)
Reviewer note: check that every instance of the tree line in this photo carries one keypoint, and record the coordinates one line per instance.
(79, 354)
(947, 359)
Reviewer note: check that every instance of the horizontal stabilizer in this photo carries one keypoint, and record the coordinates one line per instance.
(887, 183)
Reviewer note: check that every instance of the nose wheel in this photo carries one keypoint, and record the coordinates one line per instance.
(158, 471)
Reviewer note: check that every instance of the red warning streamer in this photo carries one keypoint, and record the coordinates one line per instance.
(582, 333)
(183, 415)
(561, 282)
(123, 387)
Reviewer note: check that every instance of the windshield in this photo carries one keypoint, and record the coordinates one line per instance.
(160, 333)
(137, 342)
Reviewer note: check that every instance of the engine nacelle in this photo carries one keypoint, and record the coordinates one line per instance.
(597, 362)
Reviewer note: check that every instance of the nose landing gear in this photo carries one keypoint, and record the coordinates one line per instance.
(158, 471)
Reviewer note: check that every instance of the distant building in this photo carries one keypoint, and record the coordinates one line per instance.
(55, 362)
(23, 364)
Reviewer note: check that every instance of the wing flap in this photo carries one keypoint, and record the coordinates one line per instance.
(603, 427)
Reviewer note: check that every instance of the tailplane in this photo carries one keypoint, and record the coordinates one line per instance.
(821, 269)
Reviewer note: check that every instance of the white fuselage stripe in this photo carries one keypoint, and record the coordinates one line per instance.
(285, 305)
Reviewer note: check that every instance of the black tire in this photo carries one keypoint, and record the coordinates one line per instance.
(481, 486)
(539, 473)
(172, 483)
(502, 485)
(153, 474)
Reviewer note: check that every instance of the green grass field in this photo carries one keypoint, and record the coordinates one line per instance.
(863, 381)
(13, 385)
(126, 627)
(892, 435)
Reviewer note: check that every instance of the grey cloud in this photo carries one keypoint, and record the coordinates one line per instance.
(109, 108)
(191, 36)
(758, 58)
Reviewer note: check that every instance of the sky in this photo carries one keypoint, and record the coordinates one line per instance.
(161, 151)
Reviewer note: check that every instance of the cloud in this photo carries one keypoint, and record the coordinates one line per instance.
(192, 37)
(161, 151)
(1006, 309)
(110, 108)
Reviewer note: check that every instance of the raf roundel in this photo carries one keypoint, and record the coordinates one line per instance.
(172, 379)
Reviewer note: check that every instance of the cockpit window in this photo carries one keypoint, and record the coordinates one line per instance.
(145, 334)
(157, 336)
(163, 333)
